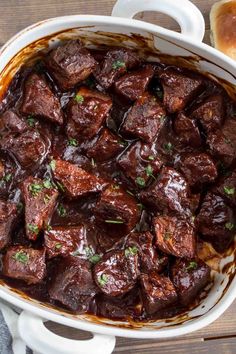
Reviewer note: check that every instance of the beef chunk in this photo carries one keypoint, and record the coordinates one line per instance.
(189, 278)
(67, 240)
(70, 63)
(116, 206)
(39, 100)
(198, 168)
(40, 199)
(140, 163)
(24, 263)
(28, 148)
(73, 285)
(115, 64)
(149, 258)
(107, 146)
(216, 222)
(179, 89)
(226, 188)
(158, 292)
(133, 85)
(175, 236)
(221, 147)
(86, 113)
(8, 215)
(187, 130)
(10, 121)
(210, 112)
(76, 181)
(145, 119)
(117, 272)
(169, 193)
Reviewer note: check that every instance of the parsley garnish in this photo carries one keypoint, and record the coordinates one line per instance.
(192, 265)
(58, 246)
(79, 99)
(118, 64)
(229, 190)
(33, 228)
(92, 257)
(52, 164)
(47, 184)
(131, 251)
(46, 199)
(95, 258)
(31, 121)
(130, 193)
(61, 210)
(72, 142)
(21, 257)
(140, 181)
(114, 221)
(168, 147)
(60, 186)
(151, 158)
(149, 171)
(103, 279)
(35, 189)
(229, 226)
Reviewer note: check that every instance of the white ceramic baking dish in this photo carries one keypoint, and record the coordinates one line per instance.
(121, 29)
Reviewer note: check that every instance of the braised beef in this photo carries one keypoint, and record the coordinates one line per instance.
(116, 174)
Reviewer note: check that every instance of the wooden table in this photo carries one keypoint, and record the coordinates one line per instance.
(219, 337)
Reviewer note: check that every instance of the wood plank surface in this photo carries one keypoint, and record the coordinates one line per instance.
(219, 337)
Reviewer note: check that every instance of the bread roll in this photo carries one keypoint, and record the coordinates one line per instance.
(223, 27)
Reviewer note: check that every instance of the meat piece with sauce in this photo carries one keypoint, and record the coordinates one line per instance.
(158, 292)
(75, 181)
(145, 119)
(189, 278)
(220, 147)
(115, 206)
(226, 188)
(8, 217)
(198, 168)
(175, 236)
(117, 272)
(70, 64)
(39, 100)
(215, 222)
(140, 163)
(24, 263)
(11, 122)
(73, 284)
(169, 193)
(179, 88)
(187, 130)
(40, 199)
(133, 84)
(86, 113)
(106, 147)
(114, 65)
(28, 148)
(210, 113)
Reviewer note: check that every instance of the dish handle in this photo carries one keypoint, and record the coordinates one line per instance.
(42, 340)
(187, 15)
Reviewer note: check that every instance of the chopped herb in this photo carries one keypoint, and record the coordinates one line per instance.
(149, 171)
(21, 257)
(93, 163)
(167, 235)
(229, 190)
(35, 189)
(53, 164)
(229, 226)
(33, 228)
(118, 64)
(95, 258)
(47, 184)
(115, 186)
(76, 253)
(46, 199)
(89, 251)
(31, 121)
(130, 193)
(192, 265)
(114, 221)
(61, 210)
(140, 181)
(131, 251)
(58, 246)
(60, 186)
(48, 227)
(151, 158)
(168, 147)
(72, 142)
(140, 205)
(79, 99)
(103, 279)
